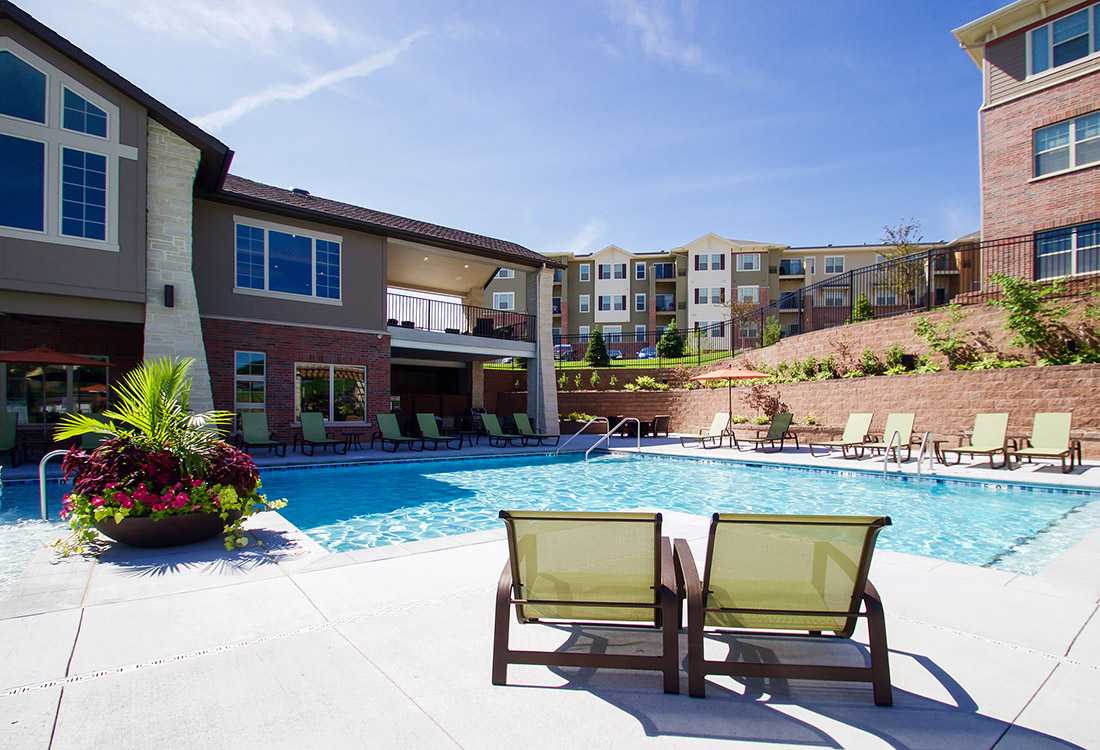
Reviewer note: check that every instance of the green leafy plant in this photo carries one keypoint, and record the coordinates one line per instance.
(893, 355)
(869, 364)
(613, 381)
(810, 418)
(577, 416)
(646, 383)
(597, 355)
(761, 419)
(861, 310)
(594, 381)
(577, 381)
(992, 363)
(739, 419)
(944, 336)
(158, 460)
(772, 330)
(672, 343)
(563, 381)
(1038, 321)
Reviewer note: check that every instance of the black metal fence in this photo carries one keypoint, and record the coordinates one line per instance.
(450, 317)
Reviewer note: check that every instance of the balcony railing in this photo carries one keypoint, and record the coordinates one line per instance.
(791, 268)
(450, 317)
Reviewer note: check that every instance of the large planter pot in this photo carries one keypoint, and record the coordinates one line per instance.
(166, 532)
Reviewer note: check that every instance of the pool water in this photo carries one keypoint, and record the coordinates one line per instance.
(353, 507)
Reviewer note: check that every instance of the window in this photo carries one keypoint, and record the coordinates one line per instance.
(748, 295)
(557, 275)
(664, 271)
(603, 271)
(639, 303)
(1067, 145)
(613, 334)
(811, 265)
(750, 329)
(555, 305)
(834, 264)
(506, 273)
(275, 260)
(504, 300)
(702, 262)
(639, 334)
(790, 267)
(665, 302)
(836, 298)
(718, 330)
(1062, 41)
(40, 393)
(556, 333)
(1066, 251)
(585, 303)
(83, 194)
(611, 302)
(59, 151)
(639, 271)
(748, 261)
(886, 297)
(337, 391)
(249, 381)
(789, 300)
(619, 302)
(583, 331)
(586, 271)
(619, 270)
(718, 262)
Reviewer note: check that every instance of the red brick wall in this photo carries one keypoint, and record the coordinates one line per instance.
(285, 345)
(944, 402)
(1011, 204)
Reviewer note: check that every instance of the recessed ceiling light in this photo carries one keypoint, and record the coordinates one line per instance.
(425, 257)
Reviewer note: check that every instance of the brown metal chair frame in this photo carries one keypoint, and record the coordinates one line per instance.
(666, 611)
(990, 453)
(760, 440)
(690, 587)
(1073, 450)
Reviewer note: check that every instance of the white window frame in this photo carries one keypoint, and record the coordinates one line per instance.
(748, 261)
(618, 303)
(585, 271)
(1093, 26)
(718, 261)
(601, 300)
(639, 271)
(702, 262)
(506, 273)
(1072, 146)
(604, 268)
(835, 262)
(748, 295)
(835, 298)
(584, 332)
(640, 334)
(639, 302)
(1071, 250)
(269, 226)
(239, 406)
(507, 298)
(613, 334)
(616, 269)
(717, 295)
(584, 303)
(329, 418)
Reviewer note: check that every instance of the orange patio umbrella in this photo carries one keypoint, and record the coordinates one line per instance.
(42, 355)
(731, 373)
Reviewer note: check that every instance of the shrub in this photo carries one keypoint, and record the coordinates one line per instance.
(672, 343)
(772, 331)
(563, 381)
(613, 381)
(862, 310)
(810, 418)
(577, 381)
(646, 383)
(869, 364)
(944, 337)
(594, 381)
(893, 355)
(764, 398)
(597, 355)
(761, 419)
(738, 419)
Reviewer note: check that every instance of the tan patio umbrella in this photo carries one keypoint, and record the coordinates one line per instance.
(731, 373)
(42, 355)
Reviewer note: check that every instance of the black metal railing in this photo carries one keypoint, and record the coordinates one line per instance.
(450, 317)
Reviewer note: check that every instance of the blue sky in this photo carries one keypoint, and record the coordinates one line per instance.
(569, 126)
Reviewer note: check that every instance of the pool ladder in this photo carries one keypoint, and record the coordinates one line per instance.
(606, 436)
(42, 478)
(924, 442)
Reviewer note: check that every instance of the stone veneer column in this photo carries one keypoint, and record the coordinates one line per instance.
(173, 331)
(476, 298)
(542, 388)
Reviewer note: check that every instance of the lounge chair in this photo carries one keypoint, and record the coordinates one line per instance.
(313, 434)
(987, 439)
(9, 437)
(1049, 439)
(523, 424)
(492, 429)
(766, 573)
(779, 431)
(855, 432)
(255, 432)
(719, 428)
(429, 430)
(902, 424)
(390, 432)
(591, 568)
(659, 425)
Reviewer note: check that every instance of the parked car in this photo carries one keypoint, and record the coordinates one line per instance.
(615, 354)
(563, 352)
(650, 352)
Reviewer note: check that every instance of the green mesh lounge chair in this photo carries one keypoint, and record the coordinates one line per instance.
(719, 428)
(779, 431)
(313, 434)
(588, 569)
(987, 439)
(502, 438)
(855, 433)
(902, 424)
(429, 430)
(523, 424)
(9, 436)
(767, 573)
(1050, 439)
(255, 433)
(390, 432)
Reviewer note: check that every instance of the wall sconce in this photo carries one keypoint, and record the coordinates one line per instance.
(169, 295)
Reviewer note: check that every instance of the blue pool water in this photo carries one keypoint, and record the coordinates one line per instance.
(353, 507)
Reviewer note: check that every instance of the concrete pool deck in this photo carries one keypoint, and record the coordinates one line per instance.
(290, 646)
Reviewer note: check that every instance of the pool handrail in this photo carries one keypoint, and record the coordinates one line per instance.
(612, 430)
(581, 432)
(925, 441)
(42, 479)
(886, 453)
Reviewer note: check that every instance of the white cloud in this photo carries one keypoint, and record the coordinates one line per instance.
(585, 239)
(292, 92)
(655, 28)
(259, 24)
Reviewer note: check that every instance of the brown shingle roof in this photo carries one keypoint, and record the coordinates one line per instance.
(280, 200)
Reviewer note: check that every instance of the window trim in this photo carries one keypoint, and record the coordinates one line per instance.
(12, 47)
(1071, 252)
(584, 303)
(505, 273)
(511, 296)
(584, 272)
(61, 114)
(1071, 145)
(640, 297)
(1093, 12)
(755, 295)
(237, 377)
(61, 198)
(639, 270)
(268, 226)
(43, 233)
(743, 266)
(331, 393)
(834, 258)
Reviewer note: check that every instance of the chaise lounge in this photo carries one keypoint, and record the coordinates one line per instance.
(313, 434)
(855, 433)
(390, 432)
(502, 438)
(1049, 439)
(779, 431)
(988, 439)
(768, 573)
(899, 424)
(429, 430)
(719, 428)
(256, 434)
(523, 424)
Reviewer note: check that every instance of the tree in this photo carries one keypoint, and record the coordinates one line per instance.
(671, 345)
(905, 275)
(772, 331)
(597, 355)
(862, 310)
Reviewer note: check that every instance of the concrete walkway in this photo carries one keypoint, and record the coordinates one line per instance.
(287, 646)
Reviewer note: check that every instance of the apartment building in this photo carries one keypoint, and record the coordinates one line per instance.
(1040, 135)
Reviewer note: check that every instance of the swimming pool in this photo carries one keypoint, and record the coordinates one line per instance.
(1018, 529)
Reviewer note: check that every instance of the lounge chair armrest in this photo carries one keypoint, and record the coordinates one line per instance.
(688, 583)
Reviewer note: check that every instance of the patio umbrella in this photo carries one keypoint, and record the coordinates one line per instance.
(731, 373)
(42, 355)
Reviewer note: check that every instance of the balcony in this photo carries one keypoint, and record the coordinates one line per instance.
(791, 268)
(425, 328)
(664, 303)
